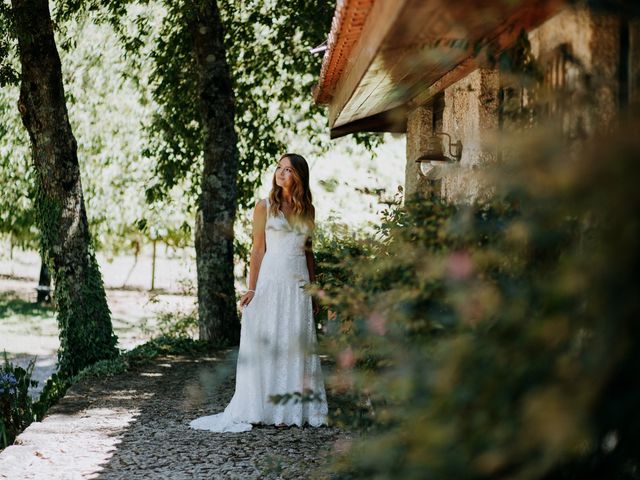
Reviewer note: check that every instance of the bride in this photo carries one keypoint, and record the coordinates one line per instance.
(278, 337)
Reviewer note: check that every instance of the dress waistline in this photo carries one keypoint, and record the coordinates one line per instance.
(276, 253)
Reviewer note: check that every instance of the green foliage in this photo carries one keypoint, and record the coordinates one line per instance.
(158, 346)
(8, 74)
(16, 411)
(272, 76)
(181, 324)
(335, 251)
(498, 340)
(54, 389)
(131, 76)
(295, 397)
(17, 217)
(85, 329)
(105, 88)
(103, 368)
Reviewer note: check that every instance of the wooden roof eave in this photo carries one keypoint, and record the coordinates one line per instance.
(373, 84)
(376, 27)
(391, 121)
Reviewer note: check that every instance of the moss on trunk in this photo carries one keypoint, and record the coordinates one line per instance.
(86, 334)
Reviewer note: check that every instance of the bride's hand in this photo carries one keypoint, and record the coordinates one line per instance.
(246, 299)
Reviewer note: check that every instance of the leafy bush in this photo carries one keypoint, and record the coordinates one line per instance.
(15, 403)
(498, 340)
(162, 345)
(54, 389)
(178, 325)
(103, 368)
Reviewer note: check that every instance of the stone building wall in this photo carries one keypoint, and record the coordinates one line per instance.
(419, 127)
(594, 42)
(470, 116)
(470, 112)
(471, 104)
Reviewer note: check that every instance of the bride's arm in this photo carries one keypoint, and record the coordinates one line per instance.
(311, 266)
(258, 250)
(308, 252)
(311, 261)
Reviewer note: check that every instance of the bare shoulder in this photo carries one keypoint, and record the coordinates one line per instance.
(261, 206)
(260, 212)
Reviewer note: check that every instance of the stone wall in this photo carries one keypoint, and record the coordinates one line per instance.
(470, 115)
(471, 104)
(594, 43)
(419, 127)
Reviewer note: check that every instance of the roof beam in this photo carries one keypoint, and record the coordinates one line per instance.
(379, 22)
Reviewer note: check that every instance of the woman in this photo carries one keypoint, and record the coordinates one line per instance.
(277, 338)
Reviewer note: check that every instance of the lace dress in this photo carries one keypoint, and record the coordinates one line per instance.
(277, 342)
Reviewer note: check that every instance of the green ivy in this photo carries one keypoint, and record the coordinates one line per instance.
(85, 329)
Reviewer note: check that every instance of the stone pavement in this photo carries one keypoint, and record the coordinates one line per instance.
(135, 425)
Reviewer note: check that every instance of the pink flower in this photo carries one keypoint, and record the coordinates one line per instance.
(346, 358)
(459, 265)
(377, 323)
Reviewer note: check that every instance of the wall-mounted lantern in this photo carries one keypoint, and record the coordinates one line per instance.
(434, 155)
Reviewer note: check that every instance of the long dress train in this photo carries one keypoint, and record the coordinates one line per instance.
(277, 342)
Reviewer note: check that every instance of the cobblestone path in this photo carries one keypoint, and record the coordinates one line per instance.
(135, 425)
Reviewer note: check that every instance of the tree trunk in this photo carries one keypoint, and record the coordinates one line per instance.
(218, 317)
(86, 334)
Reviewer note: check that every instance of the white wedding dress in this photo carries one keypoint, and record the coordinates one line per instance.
(277, 342)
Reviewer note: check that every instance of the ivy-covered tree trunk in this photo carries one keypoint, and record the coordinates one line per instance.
(86, 334)
(218, 318)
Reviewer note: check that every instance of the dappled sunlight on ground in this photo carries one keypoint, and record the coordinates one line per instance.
(135, 425)
(71, 444)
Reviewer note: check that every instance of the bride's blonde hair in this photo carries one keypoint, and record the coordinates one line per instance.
(301, 199)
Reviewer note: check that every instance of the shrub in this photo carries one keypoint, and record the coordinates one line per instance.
(15, 403)
(54, 389)
(499, 340)
(103, 368)
(178, 325)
